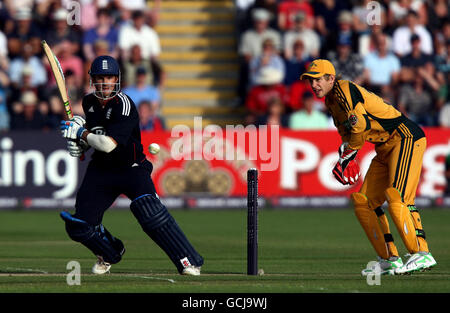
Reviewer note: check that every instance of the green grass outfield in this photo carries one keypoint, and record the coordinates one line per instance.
(303, 251)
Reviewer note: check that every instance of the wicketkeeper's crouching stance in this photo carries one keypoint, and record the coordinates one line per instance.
(393, 175)
(118, 166)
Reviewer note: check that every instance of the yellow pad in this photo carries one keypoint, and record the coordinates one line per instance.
(402, 219)
(418, 225)
(369, 222)
(384, 224)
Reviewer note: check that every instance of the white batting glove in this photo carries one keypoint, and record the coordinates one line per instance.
(79, 120)
(75, 149)
(71, 130)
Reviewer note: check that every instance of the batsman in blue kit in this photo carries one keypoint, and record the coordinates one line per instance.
(118, 166)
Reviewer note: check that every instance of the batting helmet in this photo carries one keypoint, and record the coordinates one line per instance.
(105, 65)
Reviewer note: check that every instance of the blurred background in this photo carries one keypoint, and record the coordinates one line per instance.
(230, 62)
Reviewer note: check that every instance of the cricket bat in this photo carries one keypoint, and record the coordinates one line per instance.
(60, 81)
(59, 77)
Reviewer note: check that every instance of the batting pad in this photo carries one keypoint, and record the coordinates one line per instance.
(157, 222)
(95, 238)
(369, 222)
(402, 219)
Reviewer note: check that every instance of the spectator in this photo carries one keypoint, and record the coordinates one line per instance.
(367, 41)
(438, 13)
(416, 58)
(69, 61)
(289, 9)
(344, 32)
(275, 114)
(296, 64)
(142, 91)
(310, 38)
(25, 115)
(381, 67)
(24, 31)
(103, 31)
(398, 11)
(133, 63)
(269, 57)
(128, 7)
(268, 86)
(250, 46)
(270, 6)
(251, 42)
(416, 102)
(149, 119)
(89, 14)
(139, 33)
(402, 36)
(27, 64)
(61, 33)
(308, 117)
(16, 91)
(327, 12)
(53, 111)
(348, 64)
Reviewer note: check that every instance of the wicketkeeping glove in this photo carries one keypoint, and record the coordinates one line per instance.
(347, 169)
(346, 154)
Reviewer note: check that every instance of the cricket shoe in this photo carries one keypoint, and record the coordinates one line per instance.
(101, 267)
(191, 270)
(382, 266)
(419, 261)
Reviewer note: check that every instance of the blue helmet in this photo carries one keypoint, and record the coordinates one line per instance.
(105, 65)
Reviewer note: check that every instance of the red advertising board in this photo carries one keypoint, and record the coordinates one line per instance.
(207, 169)
(294, 163)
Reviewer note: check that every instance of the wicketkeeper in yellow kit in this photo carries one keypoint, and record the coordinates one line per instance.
(361, 116)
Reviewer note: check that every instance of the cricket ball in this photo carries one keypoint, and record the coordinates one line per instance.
(154, 148)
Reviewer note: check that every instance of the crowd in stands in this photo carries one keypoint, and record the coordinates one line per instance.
(124, 29)
(399, 50)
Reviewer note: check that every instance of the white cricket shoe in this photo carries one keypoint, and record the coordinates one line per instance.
(191, 270)
(101, 267)
(382, 266)
(417, 262)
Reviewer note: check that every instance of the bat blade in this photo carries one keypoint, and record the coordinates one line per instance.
(59, 78)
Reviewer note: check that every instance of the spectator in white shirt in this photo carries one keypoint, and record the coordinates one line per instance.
(309, 37)
(139, 33)
(251, 42)
(402, 35)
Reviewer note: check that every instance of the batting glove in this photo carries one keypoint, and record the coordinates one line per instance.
(79, 120)
(71, 130)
